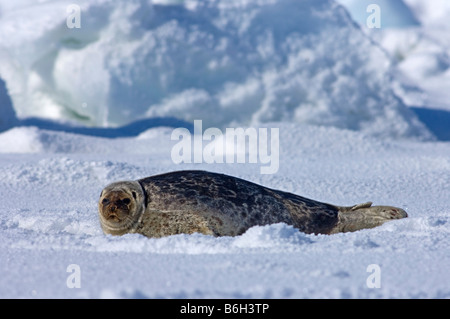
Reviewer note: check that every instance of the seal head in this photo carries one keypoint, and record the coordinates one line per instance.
(120, 207)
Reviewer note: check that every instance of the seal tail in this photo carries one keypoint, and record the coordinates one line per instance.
(362, 216)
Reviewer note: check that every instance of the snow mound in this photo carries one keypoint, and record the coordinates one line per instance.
(414, 33)
(20, 140)
(270, 238)
(245, 62)
(277, 235)
(32, 139)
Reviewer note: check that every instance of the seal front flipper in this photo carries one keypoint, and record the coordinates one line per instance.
(363, 205)
(354, 207)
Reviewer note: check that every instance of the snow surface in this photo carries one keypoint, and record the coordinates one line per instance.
(362, 116)
(49, 221)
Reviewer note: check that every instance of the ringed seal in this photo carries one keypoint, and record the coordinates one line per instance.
(221, 205)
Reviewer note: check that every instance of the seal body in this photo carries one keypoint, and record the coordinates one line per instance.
(221, 205)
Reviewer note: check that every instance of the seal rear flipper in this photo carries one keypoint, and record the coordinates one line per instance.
(364, 216)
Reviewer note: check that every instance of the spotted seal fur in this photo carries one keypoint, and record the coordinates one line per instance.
(221, 205)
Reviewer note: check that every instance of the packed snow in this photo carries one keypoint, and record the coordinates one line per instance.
(363, 115)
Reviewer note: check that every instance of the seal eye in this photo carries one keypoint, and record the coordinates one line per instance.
(126, 201)
(105, 201)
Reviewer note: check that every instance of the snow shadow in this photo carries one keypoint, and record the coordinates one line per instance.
(133, 129)
(437, 121)
(8, 119)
